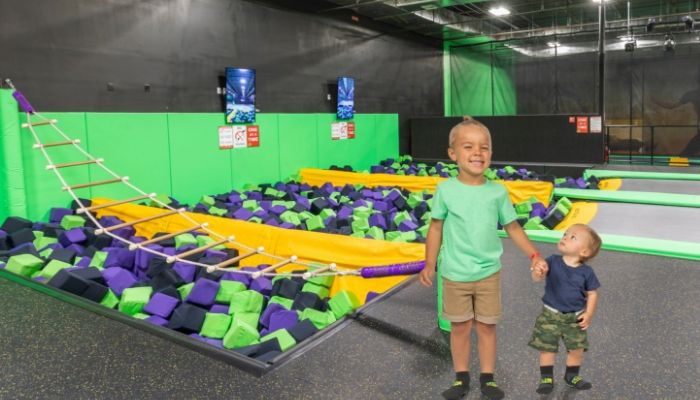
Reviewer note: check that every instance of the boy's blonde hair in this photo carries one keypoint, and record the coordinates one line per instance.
(468, 121)
(594, 242)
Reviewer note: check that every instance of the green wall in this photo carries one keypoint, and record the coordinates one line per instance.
(179, 154)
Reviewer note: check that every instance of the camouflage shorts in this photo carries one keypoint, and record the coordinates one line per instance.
(550, 326)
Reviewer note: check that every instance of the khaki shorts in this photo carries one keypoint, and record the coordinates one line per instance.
(481, 300)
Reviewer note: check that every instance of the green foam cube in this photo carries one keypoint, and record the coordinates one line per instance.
(453, 172)
(362, 212)
(53, 267)
(72, 221)
(276, 277)
(343, 303)
(226, 291)
(422, 172)
(392, 236)
(532, 223)
(110, 299)
(203, 240)
(250, 205)
(250, 187)
(217, 211)
(249, 318)
(325, 213)
(248, 301)
(523, 208)
(429, 202)
(37, 273)
(98, 260)
(325, 281)
(315, 222)
(562, 208)
(532, 200)
(358, 234)
(291, 217)
(400, 172)
(426, 216)
(566, 203)
(140, 316)
(256, 220)
(285, 339)
(509, 169)
(240, 334)
(409, 236)
(134, 299)
(423, 230)
(334, 195)
(559, 181)
(304, 215)
(207, 201)
(215, 325)
(43, 241)
(321, 291)
(163, 198)
(524, 216)
(359, 186)
(184, 240)
(185, 290)
(402, 216)
(24, 264)
(415, 199)
(46, 253)
(318, 318)
(284, 302)
(360, 225)
(376, 232)
(270, 191)
(344, 199)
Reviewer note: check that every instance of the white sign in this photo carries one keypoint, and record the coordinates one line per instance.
(225, 137)
(596, 125)
(240, 136)
(335, 130)
(343, 130)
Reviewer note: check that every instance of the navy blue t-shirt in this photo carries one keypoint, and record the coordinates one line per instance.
(566, 286)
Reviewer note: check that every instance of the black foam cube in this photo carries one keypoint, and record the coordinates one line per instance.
(74, 204)
(50, 230)
(210, 260)
(140, 284)
(99, 241)
(95, 292)
(28, 249)
(302, 330)
(268, 356)
(391, 225)
(347, 189)
(319, 205)
(286, 288)
(3, 244)
(169, 291)
(249, 351)
(420, 210)
(187, 318)
(165, 278)
(547, 178)
(345, 230)
(324, 305)
(231, 253)
(213, 276)
(91, 274)
(419, 239)
(90, 251)
(341, 222)
(65, 255)
(68, 282)
(304, 300)
(553, 219)
(24, 235)
(298, 208)
(522, 221)
(299, 279)
(270, 345)
(156, 266)
(14, 224)
(400, 203)
(167, 242)
(347, 168)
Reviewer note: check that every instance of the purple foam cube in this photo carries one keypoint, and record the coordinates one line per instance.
(266, 205)
(219, 309)
(109, 273)
(267, 314)
(264, 332)
(169, 251)
(287, 225)
(360, 203)
(57, 214)
(292, 188)
(37, 226)
(143, 257)
(161, 305)
(154, 319)
(393, 195)
(278, 210)
(255, 196)
(377, 220)
(215, 342)
(109, 220)
(371, 296)
(237, 277)
(375, 169)
(203, 293)
(283, 320)
(332, 202)
(186, 271)
(125, 233)
(3, 233)
(235, 198)
(36, 278)
(581, 183)
(138, 239)
(78, 249)
(72, 268)
(377, 196)
(280, 186)
(366, 193)
(444, 175)
(260, 214)
(272, 222)
(243, 214)
(141, 274)
(344, 212)
(196, 336)
(215, 253)
(303, 201)
(407, 226)
(261, 285)
(84, 262)
(122, 258)
(390, 171)
(185, 248)
(380, 206)
(75, 235)
(304, 187)
(121, 280)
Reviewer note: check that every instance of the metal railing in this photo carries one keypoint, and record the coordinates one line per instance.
(653, 144)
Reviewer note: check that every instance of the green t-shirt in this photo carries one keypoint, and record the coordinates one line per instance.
(472, 249)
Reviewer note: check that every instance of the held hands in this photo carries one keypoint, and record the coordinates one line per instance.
(584, 320)
(426, 276)
(539, 265)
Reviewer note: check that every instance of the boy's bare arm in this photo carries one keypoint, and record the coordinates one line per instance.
(517, 235)
(537, 276)
(432, 248)
(591, 303)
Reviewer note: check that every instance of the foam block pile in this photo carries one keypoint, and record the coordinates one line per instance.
(533, 215)
(259, 318)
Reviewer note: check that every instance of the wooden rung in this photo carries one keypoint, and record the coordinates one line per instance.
(73, 164)
(186, 254)
(54, 144)
(239, 258)
(138, 221)
(280, 264)
(53, 121)
(116, 203)
(84, 185)
(309, 275)
(168, 236)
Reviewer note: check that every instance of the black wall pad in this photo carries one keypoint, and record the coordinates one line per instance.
(518, 138)
(230, 357)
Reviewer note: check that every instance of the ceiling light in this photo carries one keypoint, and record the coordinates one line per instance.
(553, 44)
(499, 11)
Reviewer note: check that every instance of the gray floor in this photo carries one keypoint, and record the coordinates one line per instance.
(643, 346)
(648, 221)
(660, 186)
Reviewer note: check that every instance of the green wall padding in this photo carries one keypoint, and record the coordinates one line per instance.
(260, 164)
(471, 89)
(387, 133)
(133, 145)
(197, 165)
(331, 152)
(42, 186)
(298, 143)
(606, 173)
(363, 149)
(13, 197)
(624, 196)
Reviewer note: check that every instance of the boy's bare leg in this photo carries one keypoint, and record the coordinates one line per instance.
(547, 359)
(459, 343)
(573, 365)
(487, 346)
(574, 358)
(546, 373)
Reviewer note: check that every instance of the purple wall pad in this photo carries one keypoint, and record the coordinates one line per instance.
(215, 253)
(371, 296)
(142, 257)
(84, 262)
(75, 235)
(283, 320)
(219, 309)
(109, 220)
(243, 214)
(57, 214)
(122, 258)
(271, 309)
(161, 305)
(203, 293)
(154, 319)
(186, 271)
(287, 225)
(238, 277)
(125, 233)
(78, 249)
(261, 285)
(278, 210)
(123, 279)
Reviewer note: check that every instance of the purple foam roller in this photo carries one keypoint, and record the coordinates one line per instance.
(393, 270)
(20, 99)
